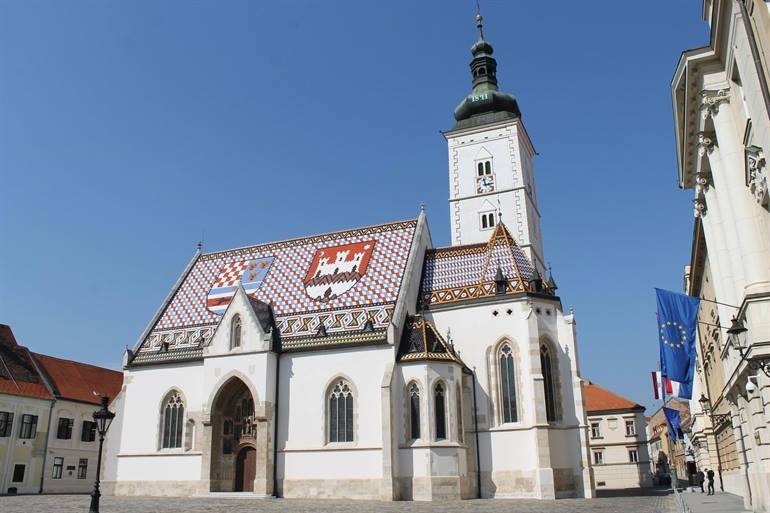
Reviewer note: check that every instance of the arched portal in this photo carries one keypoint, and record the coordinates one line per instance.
(234, 438)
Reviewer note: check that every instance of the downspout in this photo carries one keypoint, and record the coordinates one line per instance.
(755, 55)
(275, 425)
(472, 374)
(45, 448)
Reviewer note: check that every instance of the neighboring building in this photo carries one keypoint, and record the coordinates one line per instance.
(722, 124)
(340, 365)
(47, 438)
(665, 455)
(618, 440)
(25, 406)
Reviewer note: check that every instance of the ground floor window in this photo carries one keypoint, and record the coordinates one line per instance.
(633, 456)
(598, 458)
(82, 468)
(18, 473)
(58, 466)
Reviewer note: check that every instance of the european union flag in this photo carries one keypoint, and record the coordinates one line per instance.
(674, 424)
(677, 317)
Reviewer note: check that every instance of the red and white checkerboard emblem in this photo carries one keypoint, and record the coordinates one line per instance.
(336, 269)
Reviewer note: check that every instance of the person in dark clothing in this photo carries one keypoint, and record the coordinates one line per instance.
(710, 475)
(699, 478)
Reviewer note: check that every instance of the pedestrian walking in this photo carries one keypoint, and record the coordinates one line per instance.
(710, 474)
(699, 478)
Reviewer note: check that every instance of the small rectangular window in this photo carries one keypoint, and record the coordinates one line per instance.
(88, 432)
(64, 431)
(595, 431)
(6, 423)
(82, 468)
(630, 428)
(18, 473)
(598, 458)
(633, 456)
(28, 428)
(58, 466)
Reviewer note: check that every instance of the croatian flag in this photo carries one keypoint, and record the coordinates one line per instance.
(672, 388)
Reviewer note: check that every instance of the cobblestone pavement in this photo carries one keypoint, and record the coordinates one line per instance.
(625, 503)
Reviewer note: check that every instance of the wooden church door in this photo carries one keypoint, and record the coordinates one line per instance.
(245, 469)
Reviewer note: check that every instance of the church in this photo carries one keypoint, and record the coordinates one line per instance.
(367, 363)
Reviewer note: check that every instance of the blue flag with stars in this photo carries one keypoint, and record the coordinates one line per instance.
(677, 318)
(674, 424)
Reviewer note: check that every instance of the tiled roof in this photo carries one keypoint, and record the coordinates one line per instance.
(18, 374)
(467, 272)
(600, 399)
(339, 280)
(80, 381)
(421, 341)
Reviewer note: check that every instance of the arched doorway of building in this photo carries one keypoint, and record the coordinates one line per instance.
(245, 469)
(233, 439)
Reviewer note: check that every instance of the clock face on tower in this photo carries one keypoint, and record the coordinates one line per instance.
(485, 184)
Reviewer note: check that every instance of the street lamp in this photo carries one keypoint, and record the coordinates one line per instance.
(103, 419)
(716, 421)
(737, 336)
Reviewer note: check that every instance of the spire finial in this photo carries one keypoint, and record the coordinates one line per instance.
(479, 21)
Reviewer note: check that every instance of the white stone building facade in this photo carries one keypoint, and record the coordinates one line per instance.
(407, 372)
(722, 123)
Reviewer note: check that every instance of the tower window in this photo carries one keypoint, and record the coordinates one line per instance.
(487, 220)
(484, 168)
(487, 168)
(481, 169)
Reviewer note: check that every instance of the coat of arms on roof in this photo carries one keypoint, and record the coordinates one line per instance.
(336, 269)
(250, 273)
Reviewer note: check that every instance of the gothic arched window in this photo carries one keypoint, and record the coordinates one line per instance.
(481, 168)
(173, 421)
(340, 412)
(414, 411)
(235, 332)
(439, 397)
(550, 397)
(487, 168)
(507, 370)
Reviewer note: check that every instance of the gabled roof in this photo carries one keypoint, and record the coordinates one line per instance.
(458, 273)
(598, 399)
(341, 281)
(80, 381)
(18, 373)
(421, 341)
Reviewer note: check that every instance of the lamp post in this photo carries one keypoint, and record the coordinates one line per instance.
(103, 419)
(716, 421)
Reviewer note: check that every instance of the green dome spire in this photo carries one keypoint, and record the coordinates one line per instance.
(485, 98)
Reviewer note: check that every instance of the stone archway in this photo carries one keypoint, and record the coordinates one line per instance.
(238, 439)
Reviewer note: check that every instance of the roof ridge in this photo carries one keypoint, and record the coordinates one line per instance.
(315, 235)
(68, 360)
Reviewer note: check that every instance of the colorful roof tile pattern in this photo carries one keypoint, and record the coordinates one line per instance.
(339, 281)
(468, 272)
(420, 341)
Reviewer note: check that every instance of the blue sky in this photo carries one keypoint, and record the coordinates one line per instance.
(129, 129)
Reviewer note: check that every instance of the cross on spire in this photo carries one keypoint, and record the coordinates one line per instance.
(479, 20)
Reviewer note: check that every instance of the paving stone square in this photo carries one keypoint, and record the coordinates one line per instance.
(650, 502)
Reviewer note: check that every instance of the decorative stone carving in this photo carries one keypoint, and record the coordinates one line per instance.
(756, 175)
(705, 143)
(712, 100)
(699, 204)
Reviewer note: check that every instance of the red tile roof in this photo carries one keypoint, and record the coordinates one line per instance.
(600, 399)
(80, 381)
(18, 374)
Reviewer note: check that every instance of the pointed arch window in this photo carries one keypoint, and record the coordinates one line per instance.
(173, 421)
(546, 365)
(507, 369)
(439, 398)
(414, 411)
(341, 412)
(235, 332)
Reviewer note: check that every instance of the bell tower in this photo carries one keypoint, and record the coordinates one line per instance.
(491, 177)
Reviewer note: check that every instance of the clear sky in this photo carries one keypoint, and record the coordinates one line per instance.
(128, 129)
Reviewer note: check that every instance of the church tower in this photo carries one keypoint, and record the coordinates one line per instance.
(490, 163)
